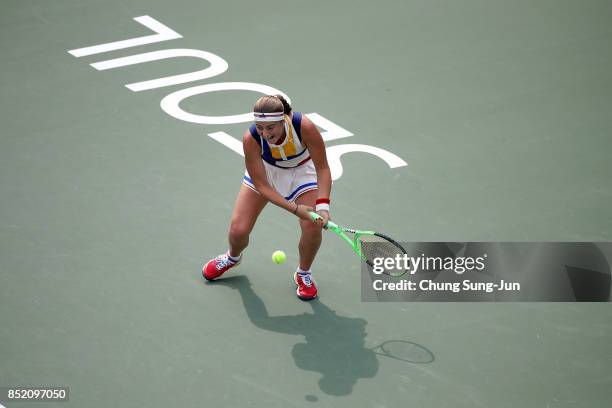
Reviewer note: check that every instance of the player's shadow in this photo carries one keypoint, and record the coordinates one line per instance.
(334, 345)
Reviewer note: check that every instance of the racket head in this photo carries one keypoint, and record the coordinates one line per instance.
(376, 245)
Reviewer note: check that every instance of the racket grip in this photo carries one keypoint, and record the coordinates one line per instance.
(315, 217)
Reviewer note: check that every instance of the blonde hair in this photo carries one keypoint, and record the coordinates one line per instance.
(272, 103)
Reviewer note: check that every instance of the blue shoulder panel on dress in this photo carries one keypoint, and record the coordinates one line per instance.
(297, 124)
(253, 130)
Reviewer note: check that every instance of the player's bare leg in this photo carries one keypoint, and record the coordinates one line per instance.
(247, 208)
(310, 241)
(311, 237)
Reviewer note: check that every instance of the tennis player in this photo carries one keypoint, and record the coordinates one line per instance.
(286, 165)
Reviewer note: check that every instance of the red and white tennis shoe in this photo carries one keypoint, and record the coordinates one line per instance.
(218, 266)
(306, 287)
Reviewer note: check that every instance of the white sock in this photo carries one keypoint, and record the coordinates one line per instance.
(301, 272)
(233, 258)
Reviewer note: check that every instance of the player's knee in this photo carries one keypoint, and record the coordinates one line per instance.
(239, 231)
(310, 228)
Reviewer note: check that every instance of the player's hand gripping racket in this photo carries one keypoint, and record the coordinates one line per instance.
(368, 245)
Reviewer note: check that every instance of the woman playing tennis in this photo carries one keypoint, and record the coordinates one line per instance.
(286, 165)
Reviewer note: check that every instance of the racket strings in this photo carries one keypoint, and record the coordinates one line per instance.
(374, 246)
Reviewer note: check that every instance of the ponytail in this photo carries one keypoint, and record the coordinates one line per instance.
(286, 107)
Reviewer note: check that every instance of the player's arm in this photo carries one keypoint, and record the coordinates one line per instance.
(313, 140)
(257, 171)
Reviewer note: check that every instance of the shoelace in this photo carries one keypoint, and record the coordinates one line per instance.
(224, 261)
(306, 278)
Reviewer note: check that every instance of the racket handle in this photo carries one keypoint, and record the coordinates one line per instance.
(315, 217)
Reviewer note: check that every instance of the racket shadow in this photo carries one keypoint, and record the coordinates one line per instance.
(404, 350)
(333, 346)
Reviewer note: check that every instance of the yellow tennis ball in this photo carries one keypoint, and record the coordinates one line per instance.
(278, 257)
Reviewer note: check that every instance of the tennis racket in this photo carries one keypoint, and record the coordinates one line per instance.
(368, 245)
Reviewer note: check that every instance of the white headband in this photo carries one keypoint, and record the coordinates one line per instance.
(268, 117)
